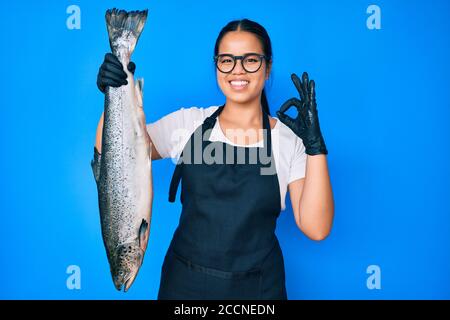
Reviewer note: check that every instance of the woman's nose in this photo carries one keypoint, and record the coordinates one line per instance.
(238, 69)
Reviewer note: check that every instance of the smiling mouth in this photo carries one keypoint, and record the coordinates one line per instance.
(238, 84)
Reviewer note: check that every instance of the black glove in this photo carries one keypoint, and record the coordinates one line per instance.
(306, 125)
(111, 72)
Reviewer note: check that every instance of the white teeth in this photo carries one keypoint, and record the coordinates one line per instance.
(239, 83)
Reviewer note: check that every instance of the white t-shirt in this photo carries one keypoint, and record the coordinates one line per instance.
(171, 133)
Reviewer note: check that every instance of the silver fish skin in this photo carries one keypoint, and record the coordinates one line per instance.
(123, 170)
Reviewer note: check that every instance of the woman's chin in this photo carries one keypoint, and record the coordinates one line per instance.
(240, 98)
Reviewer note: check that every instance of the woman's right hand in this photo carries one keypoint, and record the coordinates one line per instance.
(111, 73)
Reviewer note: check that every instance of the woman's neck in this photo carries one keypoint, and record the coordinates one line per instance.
(244, 115)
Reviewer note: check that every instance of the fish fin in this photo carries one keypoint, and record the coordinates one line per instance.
(95, 164)
(118, 21)
(143, 234)
(139, 88)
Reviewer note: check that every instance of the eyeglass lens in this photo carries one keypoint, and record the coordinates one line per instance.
(250, 63)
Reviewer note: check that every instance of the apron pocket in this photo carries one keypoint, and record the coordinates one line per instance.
(220, 284)
(178, 282)
(241, 286)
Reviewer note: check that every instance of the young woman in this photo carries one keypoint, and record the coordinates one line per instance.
(225, 245)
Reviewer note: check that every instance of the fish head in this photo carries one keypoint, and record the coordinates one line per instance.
(124, 269)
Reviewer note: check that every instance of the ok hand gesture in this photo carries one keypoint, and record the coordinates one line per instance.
(306, 124)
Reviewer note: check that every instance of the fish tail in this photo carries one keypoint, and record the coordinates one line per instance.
(121, 23)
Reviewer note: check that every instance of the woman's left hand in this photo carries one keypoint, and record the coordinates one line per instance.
(306, 124)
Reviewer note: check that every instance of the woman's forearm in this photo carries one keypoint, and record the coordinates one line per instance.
(316, 203)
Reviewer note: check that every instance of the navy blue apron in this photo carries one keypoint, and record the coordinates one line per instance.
(225, 245)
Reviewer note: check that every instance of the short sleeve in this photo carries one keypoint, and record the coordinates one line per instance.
(170, 133)
(297, 168)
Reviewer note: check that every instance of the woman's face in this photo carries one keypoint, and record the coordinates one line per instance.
(238, 43)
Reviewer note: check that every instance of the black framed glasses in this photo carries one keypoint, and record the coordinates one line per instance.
(251, 62)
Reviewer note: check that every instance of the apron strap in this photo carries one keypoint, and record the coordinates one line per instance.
(267, 130)
(176, 177)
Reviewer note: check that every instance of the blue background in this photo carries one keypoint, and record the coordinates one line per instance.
(384, 111)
